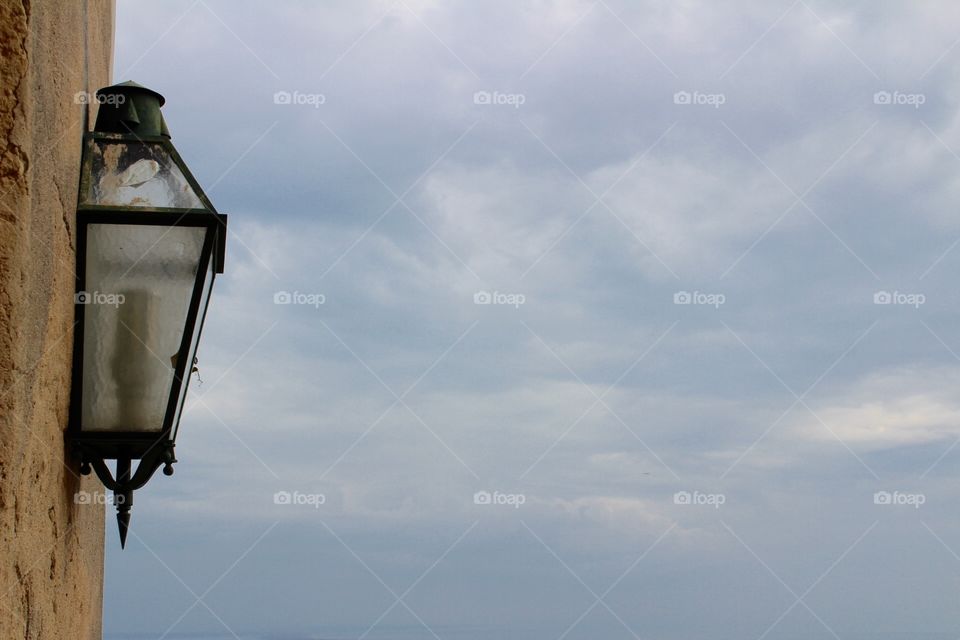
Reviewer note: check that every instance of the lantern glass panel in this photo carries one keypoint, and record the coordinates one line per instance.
(194, 343)
(138, 284)
(136, 174)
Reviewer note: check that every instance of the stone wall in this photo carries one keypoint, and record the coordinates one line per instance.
(51, 548)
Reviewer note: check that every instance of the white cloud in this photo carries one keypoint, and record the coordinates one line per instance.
(890, 409)
(695, 211)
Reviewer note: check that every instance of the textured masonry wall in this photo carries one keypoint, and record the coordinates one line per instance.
(51, 549)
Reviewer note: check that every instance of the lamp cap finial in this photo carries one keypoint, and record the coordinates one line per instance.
(130, 108)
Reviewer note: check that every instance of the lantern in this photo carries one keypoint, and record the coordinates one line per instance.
(149, 245)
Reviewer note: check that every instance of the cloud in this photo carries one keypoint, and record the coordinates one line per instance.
(902, 407)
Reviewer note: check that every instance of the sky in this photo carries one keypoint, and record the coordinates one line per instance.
(561, 319)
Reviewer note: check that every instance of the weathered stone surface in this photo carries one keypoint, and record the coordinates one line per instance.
(51, 549)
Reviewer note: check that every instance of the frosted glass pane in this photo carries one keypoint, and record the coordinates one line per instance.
(136, 175)
(195, 340)
(139, 281)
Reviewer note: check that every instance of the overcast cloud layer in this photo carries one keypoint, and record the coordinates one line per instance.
(789, 170)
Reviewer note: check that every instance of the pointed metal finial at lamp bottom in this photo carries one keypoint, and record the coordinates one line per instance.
(123, 500)
(123, 522)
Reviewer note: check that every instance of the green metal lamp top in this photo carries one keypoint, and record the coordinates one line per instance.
(132, 109)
